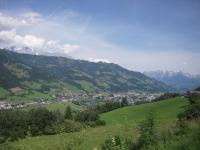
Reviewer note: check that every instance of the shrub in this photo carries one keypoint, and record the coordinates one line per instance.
(72, 126)
(43, 121)
(109, 106)
(181, 127)
(89, 117)
(116, 143)
(86, 116)
(13, 125)
(192, 111)
(68, 113)
(100, 122)
(147, 133)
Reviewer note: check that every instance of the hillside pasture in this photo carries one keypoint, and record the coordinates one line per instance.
(123, 122)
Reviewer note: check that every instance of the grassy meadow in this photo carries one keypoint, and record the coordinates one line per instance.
(122, 122)
(58, 106)
(165, 112)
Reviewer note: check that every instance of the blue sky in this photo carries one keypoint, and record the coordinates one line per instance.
(140, 35)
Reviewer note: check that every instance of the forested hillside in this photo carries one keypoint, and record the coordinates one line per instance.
(40, 76)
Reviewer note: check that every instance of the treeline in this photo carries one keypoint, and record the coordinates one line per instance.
(192, 111)
(109, 106)
(160, 98)
(16, 124)
(167, 96)
(90, 116)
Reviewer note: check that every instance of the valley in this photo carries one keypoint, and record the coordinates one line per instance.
(53, 103)
(99, 75)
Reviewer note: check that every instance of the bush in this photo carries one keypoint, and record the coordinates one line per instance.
(188, 140)
(72, 126)
(13, 125)
(109, 106)
(43, 121)
(89, 117)
(100, 122)
(86, 116)
(116, 143)
(192, 111)
(147, 134)
(182, 127)
(68, 113)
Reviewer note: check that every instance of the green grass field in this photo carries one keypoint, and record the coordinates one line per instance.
(3, 93)
(58, 106)
(121, 122)
(164, 111)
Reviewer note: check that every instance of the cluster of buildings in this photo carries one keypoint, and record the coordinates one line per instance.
(132, 97)
(5, 105)
(89, 99)
(71, 97)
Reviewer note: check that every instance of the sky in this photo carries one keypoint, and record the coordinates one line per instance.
(140, 35)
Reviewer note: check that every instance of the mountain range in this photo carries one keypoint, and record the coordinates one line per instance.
(26, 74)
(179, 80)
(33, 51)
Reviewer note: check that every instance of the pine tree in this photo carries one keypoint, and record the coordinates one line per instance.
(68, 113)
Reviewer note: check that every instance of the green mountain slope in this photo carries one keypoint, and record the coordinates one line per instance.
(39, 76)
(164, 111)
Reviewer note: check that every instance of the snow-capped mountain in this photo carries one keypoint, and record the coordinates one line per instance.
(32, 51)
(24, 50)
(179, 80)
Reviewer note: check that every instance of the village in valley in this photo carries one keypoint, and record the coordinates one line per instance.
(87, 99)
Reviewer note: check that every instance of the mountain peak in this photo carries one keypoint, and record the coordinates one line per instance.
(179, 80)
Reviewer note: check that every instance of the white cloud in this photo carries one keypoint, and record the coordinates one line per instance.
(32, 17)
(10, 37)
(31, 14)
(98, 60)
(8, 21)
(26, 19)
(69, 48)
(66, 48)
(32, 41)
(69, 31)
(52, 43)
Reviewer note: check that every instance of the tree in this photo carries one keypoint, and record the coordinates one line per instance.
(13, 125)
(87, 116)
(41, 121)
(124, 102)
(147, 135)
(68, 112)
(192, 111)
